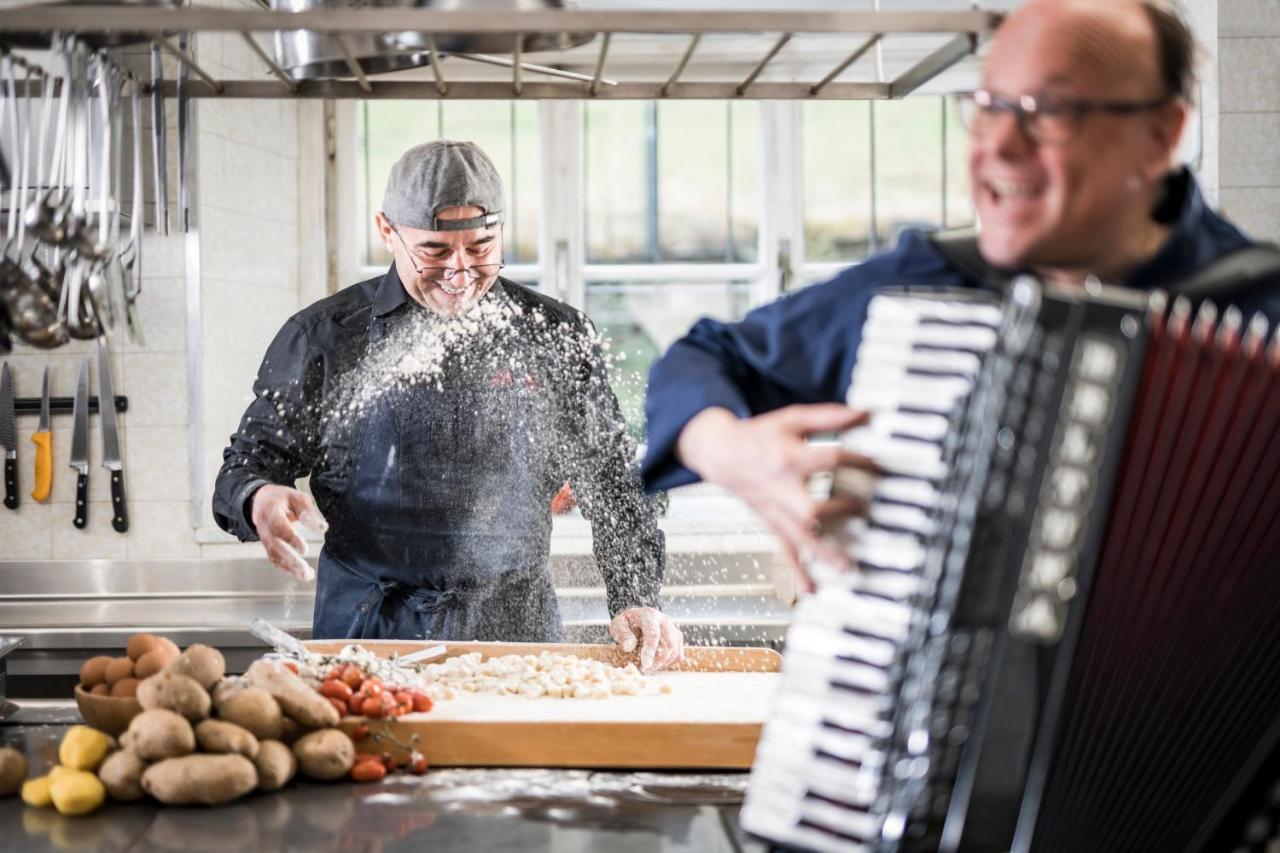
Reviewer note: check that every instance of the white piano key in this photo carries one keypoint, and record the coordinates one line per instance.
(837, 609)
(905, 517)
(908, 491)
(900, 354)
(975, 338)
(871, 390)
(875, 652)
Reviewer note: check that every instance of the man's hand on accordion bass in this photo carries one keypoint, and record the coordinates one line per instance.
(767, 462)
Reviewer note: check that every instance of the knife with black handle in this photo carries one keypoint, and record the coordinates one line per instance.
(111, 459)
(80, 445)
(8, 438)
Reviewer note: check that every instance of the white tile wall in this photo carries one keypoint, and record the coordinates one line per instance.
(1249, 123)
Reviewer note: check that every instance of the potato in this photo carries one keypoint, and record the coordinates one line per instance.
(125, 688)
(117, 669)
(251, 708)
(35, 792)
(158, 734)
(83, 748)
(219, 736)
(325, 754)
(121, 775)
(203, 663)
(102, 689)
(176, 693)
(291, 730)
(207, 779)
(228, 687)
(276, 765)
(139, 645)
(153, 661)
(296, 697)
(94, 671)
(13, 769)
(79, 792)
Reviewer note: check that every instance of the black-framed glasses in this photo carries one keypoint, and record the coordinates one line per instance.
(475, 272)
(1044, 117)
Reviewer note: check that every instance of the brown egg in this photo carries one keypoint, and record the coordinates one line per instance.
(101, 690)
(140, 644)
(125, 687)
(154, 661)
(94, 671)
(169, 645)
(118, 668)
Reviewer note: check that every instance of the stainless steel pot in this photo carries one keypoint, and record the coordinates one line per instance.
(111, 39)
(318, 56)
(491, 42)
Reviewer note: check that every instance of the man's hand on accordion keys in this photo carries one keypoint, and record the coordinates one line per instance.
(767, 462)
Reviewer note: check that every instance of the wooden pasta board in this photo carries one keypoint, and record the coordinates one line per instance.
(709, 682)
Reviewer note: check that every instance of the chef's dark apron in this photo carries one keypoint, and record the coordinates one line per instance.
(443, 531)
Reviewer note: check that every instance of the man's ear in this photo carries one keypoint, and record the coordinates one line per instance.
(1165, 129)
(383, 225)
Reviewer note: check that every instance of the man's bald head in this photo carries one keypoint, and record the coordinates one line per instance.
(1065, 179)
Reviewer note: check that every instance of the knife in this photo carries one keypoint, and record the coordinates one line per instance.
(8, 437)
(80, 445)
(111, 440)
(43, 438)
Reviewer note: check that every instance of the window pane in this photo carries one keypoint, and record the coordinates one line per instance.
(671, 182)
(641, 320)
(959, 202)
(908, 136)
(837, 180)
(508, 133)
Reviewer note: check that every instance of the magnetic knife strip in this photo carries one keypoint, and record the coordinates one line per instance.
(1061, 631)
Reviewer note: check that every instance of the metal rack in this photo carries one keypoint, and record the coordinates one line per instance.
(681, 33)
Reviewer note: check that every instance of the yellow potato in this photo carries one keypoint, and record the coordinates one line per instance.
(79, 792)
(35, 792)
(83, 748)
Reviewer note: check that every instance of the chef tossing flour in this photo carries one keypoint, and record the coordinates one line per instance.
(438, 409)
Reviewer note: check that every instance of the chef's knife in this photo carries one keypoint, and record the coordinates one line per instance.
(43, 438)
(111, 440)
(80, 444)
(9, 438)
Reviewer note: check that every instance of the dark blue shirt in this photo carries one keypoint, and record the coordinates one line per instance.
(801, 348)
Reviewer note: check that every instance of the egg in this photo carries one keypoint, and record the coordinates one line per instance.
(125, 687)
(168, 645)
(154, 661)
(140, 644)
(117, 669)
(101, 690)
(94, 671)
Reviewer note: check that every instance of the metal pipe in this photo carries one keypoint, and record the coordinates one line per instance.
(189, 61)
(932, 65)
(684, 60)
(441, 86)
(278, 72)
(350, 58)
(516, 85)
(755, 72)
(839, 69)
(594, 88)
(531, 67)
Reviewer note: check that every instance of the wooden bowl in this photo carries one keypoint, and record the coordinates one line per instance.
(110, 714)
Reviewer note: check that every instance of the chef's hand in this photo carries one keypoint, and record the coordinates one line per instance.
(661, 643)
(275, 513)
(766, 462)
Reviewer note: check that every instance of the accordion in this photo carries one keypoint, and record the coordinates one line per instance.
(1061, 628)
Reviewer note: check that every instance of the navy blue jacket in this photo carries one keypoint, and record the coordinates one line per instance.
(801, 348)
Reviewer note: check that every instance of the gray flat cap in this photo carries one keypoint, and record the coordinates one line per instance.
(429, 178)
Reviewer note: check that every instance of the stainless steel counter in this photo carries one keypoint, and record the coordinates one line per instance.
(446, 810)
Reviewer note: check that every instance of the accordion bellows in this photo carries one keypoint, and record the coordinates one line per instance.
(1062, 628)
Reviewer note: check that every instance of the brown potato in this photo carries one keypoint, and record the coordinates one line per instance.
(13, 771)
(226, 688)
(296, 697)
(176, 693)
(153, 661)
(252, 708)
(219, 736)
(158, 734)
(94, 671)
(124, 688)
(121, 773)
(203, 663)
(325, 755)
(291, 730)
(101, 689)
(117, 669)
(139, 645)
(276, 765)
(207, 779)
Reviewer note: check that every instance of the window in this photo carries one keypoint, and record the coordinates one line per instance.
(508, 133)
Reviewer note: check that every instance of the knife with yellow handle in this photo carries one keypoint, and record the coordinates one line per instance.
(43, 438)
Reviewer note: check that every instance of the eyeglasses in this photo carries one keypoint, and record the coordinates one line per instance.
(475, 272)
(1044, 117)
